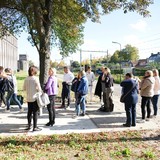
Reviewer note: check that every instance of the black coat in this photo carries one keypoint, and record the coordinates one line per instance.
(98, 89)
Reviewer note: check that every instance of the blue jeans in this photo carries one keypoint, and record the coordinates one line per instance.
(130, 114)
(11, 95)
(81, 104)
(155, 102)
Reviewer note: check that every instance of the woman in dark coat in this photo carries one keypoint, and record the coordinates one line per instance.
(130, 87)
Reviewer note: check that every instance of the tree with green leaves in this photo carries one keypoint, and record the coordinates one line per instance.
(58, 22)
(130, 53)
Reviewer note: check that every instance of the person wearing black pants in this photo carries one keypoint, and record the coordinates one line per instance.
(147, 92)
(51, 88)
(146, 101)
(32, 109)
(32, 87)
(51, 111)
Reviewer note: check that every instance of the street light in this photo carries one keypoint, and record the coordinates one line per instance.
(120, 57)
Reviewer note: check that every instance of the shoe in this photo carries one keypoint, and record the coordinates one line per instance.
(82, 114)
(21, 110)
(147, 119)
(28, 128)
(126, 125)
(7, 110)
(153, 116)
(50, 123)
(37, 129)
(133, 125)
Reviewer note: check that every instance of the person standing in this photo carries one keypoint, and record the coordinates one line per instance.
(91, 78)
(82, 91)
(66, 87)
(147, 92)
(130, 89)
(107, 85)
(100, 87)
(74, 88)
(32, 86)
(156, 92)
(51, 88)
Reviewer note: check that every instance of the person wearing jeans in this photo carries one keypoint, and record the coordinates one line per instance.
(82, 92)
(147, 92)
(12, 95)
(156, 92)
(52, 90)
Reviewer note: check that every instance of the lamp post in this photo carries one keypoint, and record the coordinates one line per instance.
(119, 57)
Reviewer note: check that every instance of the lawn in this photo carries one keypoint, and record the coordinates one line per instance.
(126, 145)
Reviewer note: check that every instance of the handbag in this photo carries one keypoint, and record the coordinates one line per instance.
(42, 99)
(123, 96)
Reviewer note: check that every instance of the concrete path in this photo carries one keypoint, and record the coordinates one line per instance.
(14, 123)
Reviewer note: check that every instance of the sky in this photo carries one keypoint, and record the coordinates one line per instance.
(130, 28)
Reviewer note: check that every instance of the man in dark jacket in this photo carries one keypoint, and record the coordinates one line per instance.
(130, 89)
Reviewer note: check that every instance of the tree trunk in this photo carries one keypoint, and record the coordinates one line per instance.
(44, 59)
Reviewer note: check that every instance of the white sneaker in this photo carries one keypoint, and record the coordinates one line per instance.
(141, 121)
(7, 111)
(147, 119)
(21, 110)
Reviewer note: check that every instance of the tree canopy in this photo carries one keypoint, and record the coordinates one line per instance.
(129, 53)
(58, 22)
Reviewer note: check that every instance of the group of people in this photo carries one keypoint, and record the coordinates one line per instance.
(8, 89)
(81, 85)
(149, 89)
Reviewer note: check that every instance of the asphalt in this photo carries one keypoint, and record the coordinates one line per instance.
(15, 122)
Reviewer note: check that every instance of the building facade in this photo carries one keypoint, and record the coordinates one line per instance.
(8, 52)
(23, 62)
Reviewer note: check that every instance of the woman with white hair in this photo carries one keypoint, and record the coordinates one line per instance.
(156, 91)
(52, 90)
(147, 92)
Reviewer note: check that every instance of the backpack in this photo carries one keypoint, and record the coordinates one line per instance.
(8, 85)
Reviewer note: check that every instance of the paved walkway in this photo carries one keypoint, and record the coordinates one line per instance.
(14, 123)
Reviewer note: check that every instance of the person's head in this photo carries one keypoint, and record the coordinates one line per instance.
(52, 71)
(82, 73)
(102, 69)
(89, 69)
(128, 75)
(8, 71)
(79, 75)
(107, 71)
(149, 73)
(155, 72)
(66, 69)
(32, 71)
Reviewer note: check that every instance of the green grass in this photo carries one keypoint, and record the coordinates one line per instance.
(91, 146)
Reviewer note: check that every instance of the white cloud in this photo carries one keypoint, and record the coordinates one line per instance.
(141, 25)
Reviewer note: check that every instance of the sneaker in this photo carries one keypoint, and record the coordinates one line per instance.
(37, 129)
(82, 114)
(153, 116)
(141, 121)
(147, 119)
(7, 110)
(126, 125)
(21, 110)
